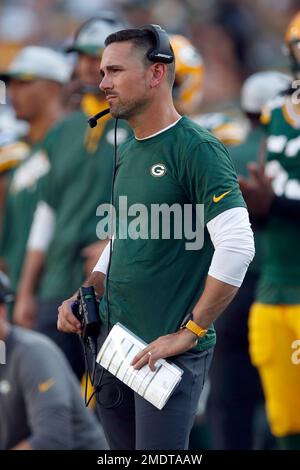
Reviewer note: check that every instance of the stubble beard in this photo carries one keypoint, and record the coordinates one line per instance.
(129, 110)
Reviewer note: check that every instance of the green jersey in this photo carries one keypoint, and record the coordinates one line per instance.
(20, 204)
(280, 277)
(154, 282)
(79, 180)
(243, 154)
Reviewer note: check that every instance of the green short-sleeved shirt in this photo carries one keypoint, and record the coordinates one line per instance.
(154, 283)
(280, 275)
(20, 204)
(79, 180)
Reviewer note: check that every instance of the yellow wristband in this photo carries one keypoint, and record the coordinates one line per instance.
(192, 326)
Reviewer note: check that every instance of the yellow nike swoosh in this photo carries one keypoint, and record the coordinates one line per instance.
(218, 198)
(45, 386)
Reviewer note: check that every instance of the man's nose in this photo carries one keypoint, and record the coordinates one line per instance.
(105, 84)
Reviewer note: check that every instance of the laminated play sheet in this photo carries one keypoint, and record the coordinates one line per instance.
(116, 354)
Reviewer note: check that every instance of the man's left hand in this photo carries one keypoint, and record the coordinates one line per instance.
(165, 346)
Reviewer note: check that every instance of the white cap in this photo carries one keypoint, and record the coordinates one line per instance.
(39, 62)
(262, 87)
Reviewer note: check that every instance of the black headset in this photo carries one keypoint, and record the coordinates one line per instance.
(161, 52)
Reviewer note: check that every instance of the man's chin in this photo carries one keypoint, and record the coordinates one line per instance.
(120, 112)
(116, 113)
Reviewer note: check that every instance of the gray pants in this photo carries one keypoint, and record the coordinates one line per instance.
(131, 422)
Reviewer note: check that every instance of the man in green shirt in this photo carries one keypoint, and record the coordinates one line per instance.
(157, 281)
(34, 79)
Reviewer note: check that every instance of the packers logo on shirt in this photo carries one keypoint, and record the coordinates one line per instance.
(158, 170)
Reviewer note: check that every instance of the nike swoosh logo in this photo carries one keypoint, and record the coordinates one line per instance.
(218, 198)
(45, 386)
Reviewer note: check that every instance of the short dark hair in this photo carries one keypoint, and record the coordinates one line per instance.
(144, 41)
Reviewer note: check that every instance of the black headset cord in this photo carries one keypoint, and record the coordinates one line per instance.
(112, 199)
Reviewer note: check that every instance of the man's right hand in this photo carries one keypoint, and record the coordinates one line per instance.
(66, 321)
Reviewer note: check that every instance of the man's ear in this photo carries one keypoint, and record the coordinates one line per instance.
(158, 74)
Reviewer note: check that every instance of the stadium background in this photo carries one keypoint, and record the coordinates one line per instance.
(235, 37)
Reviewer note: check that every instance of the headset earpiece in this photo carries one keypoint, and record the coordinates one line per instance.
(162, 51)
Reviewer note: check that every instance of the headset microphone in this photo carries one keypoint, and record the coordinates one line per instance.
(93, 120)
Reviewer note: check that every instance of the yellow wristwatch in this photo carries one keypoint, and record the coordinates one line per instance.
(192, 326)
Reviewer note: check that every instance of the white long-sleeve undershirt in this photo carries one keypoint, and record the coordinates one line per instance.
(233, 241)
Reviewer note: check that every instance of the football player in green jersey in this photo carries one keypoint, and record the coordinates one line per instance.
(35, 80)
(275, 316)
(63, 243)
(157, 284)
(235, 392)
